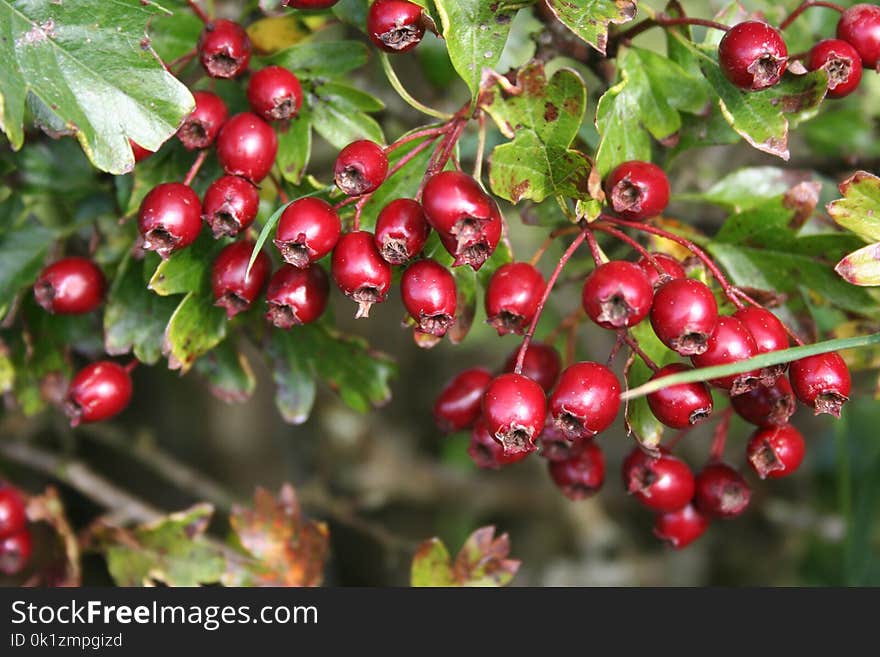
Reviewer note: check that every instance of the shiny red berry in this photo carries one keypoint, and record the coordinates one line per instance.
(721, 491)
(581, 475)
(514, 408)
(766, 405)
(230, 206)
(680, 528)
(662, 483)
(488, 453)
(859, 26)
(297, 296)
(275, 93)
(200, 128)
(247, 146)
(13, 517)
(671, 267)
(458, 405)
(637, 190)
(170, 218)
(512, 297)
(684, 314)
(395, 25)
(822, 382)
(97, 392)
(769, 334)
(401, 231)
(429, 295)
(682, 405)
(556, 446)
(730, 342)
(234, 288)
(309, 4)
(586, 400)
(224, 49)
(842, 63)
(359, 270)
(542, 364)
(140, 153)
(15, 552)
(775, 452)
(752, 55)
(307, 231)
(70, 286)
(617, 295)
(360, 167)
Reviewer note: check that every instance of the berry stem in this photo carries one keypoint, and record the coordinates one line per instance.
(194, 169)
(405, 95)
(559, 232)
(133, 363)
(279, 188)
(181, 61)
(444, 150)
(662, 20)
(633, 344)
(615, 349)
(794, 336)
(623, 237)
(595, 249)
(806, 4)
(434, 131)
(719, 436)
(198, 11)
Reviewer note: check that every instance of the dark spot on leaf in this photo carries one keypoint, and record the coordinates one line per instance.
(519, 190)
(551, 112)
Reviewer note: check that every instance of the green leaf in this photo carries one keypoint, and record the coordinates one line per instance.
(196, 327)
(589, 19)
(295, 147)
(432, 565)
(295, 386)
(174, 35)
(85, 61)
(466, 303)
(750, 186)
(647, 429)
(482, 561)
(188, 269)
(22, 251)
(861, 267)
(322, 59)
(859, 209)
(228, 372)
(338, 115)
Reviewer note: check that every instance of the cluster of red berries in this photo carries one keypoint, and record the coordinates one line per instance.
(15, 536)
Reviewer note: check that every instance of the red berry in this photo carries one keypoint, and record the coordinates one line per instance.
(140, 153)
(682, 405)
(13, 518)
(275, 93)
(309, 4)
(512, 297)
(776, 452)
(514, 408)
(297, 296)
(170, 218)
(224, 49)
(234, 288)
(555, 446)
(752, 55)
(617, 295)
(766, 405)
(200, 128)
(458, 404)
(307, 231)
(230, 206)
(637, 190)
(822, 382)
(582, 475)
(70, 286)
(842, 63)
(429, 296)
(662, 483)
(97, 392)
(684, 314)
(488, 453)
(466, 218)
(401, 231)
(680, 528)
(859, 26)
(586, 400)
(769, 334)
(730, 342)
(359, 270)
(360, 167)
(721, 491)
(671, 267)
(15, 552)
(247, 146)
(541, 364)
(395, 25)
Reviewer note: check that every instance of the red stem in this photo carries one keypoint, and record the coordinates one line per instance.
(281, 193)
(595, 251)
(662, 20)
(133, 363)
(194, 169)
(623, 237)
(427, 132)
(792, 17)
(794, 336)
(719, 437)
(559, 232)
(198, 11)
(633, 344)
(181, 61)
(618, 343)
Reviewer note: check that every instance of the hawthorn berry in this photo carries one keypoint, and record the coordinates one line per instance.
(680, 528)
(359, 271)
(671, 267)
(15, 552)
(247, 146)
(662, 483)
(822, 382)
(555, 446)
(541, 363)
(360, 168)
(581, 475)
(235, 289)
(170, 218)
(683, 315)
(769, 334)
(859, 26)
(514, 409)
(721, 491)
(97, 392)
(275, 93)
(775, 452)
(752, 55)
(429, 295)
(637, 190)
(586, 400)
(224, 49)
(512, 297)
(296, 295)
(230, 206)
(401, 231)
(395, 25)
(70, 286)
(13, 517)
(488, 453)
(682, 405)
(309, 4)
(200, 128)
(730, 342)
(842, 63)
(308, 230)
(766, 405)
(617, 294)
(140, 153)
(458, 405)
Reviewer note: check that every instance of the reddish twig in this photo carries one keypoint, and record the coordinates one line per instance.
(436, 131)
(793, 16)
(280, 189)
(198, 11)
(559, 232)
(181, 61)
(595, 250)
(194, 169)
(662, 20)
(794, 336)
(633, 344)
(623, 237)
(719, 437)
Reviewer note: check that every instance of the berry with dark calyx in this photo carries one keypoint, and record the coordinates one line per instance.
(488, 453)
(671, 267)
(275, 93)
(842, 63)
(730, 342)
(683, 315)
(200, 128)
(775, 452)
(140, 153)
(297, 296)
(247, 146)
(859, 26)
(721, 491)
(13, 518)
(308, 230)
(15, 552)
(309, 4)
(766, 406)
(662, 483)
(466, 218)
(542, 364)
(429, 295)
(70, 286)
(360, 168)
(581, 475)
(458, 405)
(514, 409)
(822, 382)
(234, 288)
(682, 405)
(224, 49)
(401, 231)
(395, 25)
(680, 528)
(555, 446)
(586, 400)
(753, 55)
(97, 392)
(617, 295)
(170, 218)
(512, 297)
(230, 206)
(359, 271)
(769, 334)
(637, 190)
